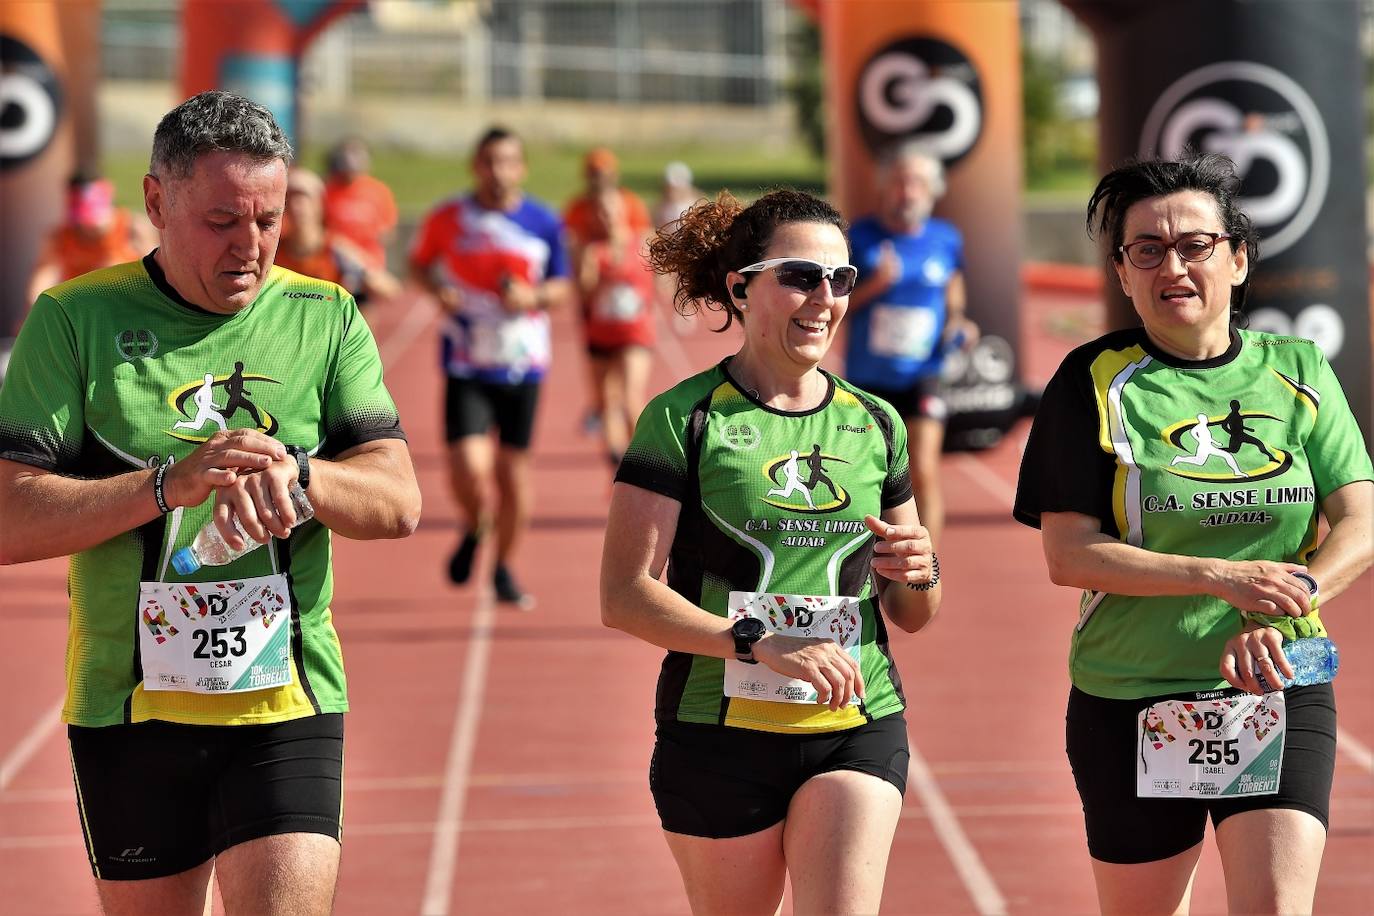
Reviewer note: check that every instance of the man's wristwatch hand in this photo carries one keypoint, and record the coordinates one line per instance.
(302, 463)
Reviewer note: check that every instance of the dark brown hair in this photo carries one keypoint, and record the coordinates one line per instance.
(1210, 173)
(717, 236)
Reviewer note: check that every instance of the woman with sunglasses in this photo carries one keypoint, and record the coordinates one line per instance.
(1177, 472)
(779, 499)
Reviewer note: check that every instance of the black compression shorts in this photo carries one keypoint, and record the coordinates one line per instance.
(1102, 744)
(919, 400)
(716, 781)
(472, 408)
(159, 798)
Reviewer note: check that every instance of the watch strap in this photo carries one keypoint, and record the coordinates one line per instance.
(302, 464)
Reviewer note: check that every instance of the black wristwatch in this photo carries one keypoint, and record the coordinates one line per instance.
(302, 462)
(747, 631)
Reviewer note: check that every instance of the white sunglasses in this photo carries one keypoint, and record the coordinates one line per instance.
(805, 275)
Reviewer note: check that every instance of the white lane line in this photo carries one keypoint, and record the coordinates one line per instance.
(978, 471)
(443, 855)
(1355, 750)
(416, 320)
(28, 745)
(987, 899)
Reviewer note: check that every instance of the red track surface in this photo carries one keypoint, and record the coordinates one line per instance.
(497, 762)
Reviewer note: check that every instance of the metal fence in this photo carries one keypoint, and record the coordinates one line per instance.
(623, 51)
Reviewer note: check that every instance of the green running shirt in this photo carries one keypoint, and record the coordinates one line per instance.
(113, 371)
(1227, 457)
(750, 523)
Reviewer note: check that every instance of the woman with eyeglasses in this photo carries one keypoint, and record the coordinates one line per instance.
(1177, 472)
(779, 499)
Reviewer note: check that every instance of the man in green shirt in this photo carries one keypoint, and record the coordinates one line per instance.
(108, 455)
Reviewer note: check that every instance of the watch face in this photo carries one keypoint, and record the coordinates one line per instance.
(750, 628)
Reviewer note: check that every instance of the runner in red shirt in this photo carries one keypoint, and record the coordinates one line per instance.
(357, 206)
(601, 170)
(617, 292)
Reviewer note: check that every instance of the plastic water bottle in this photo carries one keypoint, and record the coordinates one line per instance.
(209, 549)
(1314, 660)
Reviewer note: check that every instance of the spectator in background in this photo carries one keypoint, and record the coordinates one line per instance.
(617, 291)
(308, 248)
(494, 260)
(357, 206)
(94, 234)
(908, 311)
(677, 194)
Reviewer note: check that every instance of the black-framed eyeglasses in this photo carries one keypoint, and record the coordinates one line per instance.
(1147, 254)
(805, 275)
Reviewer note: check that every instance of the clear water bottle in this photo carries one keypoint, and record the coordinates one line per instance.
(209, 549)
(1314, 660)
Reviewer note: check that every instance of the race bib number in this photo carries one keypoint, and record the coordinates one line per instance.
(497, 343)
(907, 333)
(215, 637)
(619, 302)
(837, 618)
(1211, 748)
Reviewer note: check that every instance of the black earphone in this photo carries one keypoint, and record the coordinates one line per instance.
(738, 291)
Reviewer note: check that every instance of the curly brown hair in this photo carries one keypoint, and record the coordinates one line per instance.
(717, 236)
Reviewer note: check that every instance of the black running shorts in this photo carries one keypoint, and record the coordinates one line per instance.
(717, 781)
(159, 798)
(1102, 744)
(921, 400)
(472, 408)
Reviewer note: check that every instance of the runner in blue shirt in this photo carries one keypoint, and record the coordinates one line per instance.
(494, 260)
(908, 310)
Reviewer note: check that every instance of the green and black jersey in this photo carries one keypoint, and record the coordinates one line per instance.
(113, 371)
(1227, 457)
(772, 501)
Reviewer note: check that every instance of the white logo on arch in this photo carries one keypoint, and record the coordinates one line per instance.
(1185, 109)
(899, 95)
(922, 89)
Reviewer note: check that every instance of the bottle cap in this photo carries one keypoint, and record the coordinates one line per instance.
(185, 562)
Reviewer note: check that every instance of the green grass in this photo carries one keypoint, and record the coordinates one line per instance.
(419, 180)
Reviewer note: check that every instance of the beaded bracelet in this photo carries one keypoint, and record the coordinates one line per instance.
(934, 577)
(158, 476)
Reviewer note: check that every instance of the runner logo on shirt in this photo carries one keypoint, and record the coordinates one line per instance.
(797, 478)
(1226, 447)
(214, 402)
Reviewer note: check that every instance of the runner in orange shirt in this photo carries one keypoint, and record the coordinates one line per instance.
(307, 247)
(357, 206)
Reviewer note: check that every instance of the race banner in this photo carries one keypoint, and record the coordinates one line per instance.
(37, 148)
(946, 75)
(253, 47)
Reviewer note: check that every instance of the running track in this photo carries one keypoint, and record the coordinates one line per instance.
(496, 762)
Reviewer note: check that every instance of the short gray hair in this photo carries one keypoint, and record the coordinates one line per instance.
(215, 121)
(918, 150)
